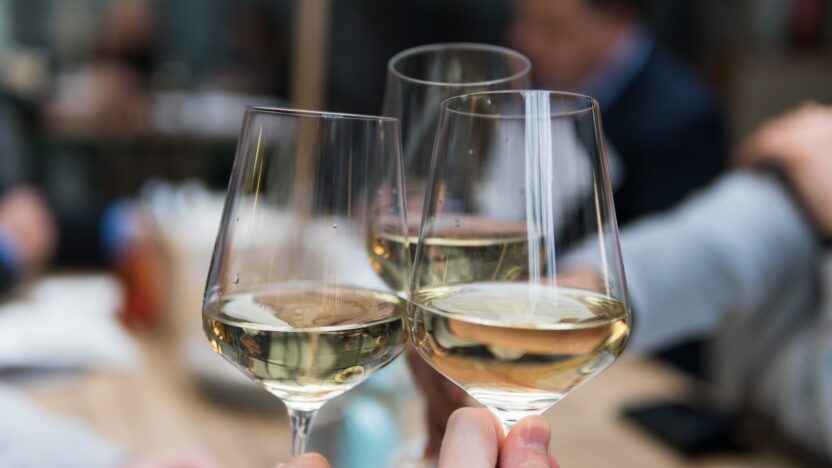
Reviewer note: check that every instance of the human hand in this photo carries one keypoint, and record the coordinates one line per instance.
(474, 439)
(26, 217)
(799, 143)
(307, 460)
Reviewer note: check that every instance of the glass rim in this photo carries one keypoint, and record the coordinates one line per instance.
(591, 104)
(290, 112)
(428, 48)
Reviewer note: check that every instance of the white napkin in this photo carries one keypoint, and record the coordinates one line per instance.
(67, 322)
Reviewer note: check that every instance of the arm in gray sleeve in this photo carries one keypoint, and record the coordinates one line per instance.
(739, 262)
(727, 248)
(30, 438)
(795, 389)
(821, 369)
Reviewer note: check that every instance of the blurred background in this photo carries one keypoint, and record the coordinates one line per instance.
(118, 124)
(107, 92)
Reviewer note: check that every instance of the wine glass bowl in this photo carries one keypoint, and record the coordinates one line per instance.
(518, 292)
(291, 299)
(419, 78)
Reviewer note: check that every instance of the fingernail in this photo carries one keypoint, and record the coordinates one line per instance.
(535, 433)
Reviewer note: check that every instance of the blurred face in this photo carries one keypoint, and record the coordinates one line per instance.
(565, 39)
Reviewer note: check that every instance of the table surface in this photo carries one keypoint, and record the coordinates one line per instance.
(158, 410)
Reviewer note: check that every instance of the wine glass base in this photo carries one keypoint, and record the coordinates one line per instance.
(509, 418)
(510, 407)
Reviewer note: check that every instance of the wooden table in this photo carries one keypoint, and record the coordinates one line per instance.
(588, 430)
(158, 410)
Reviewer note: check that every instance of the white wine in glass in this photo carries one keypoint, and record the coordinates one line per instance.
(292, 300)
(518, 292)
(303, 346)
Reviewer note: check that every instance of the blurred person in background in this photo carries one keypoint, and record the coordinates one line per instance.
(777, 360)
(663, 125)
(27, 228)
(36, 230)
(31, 232)
(742, 261)
(27, 234)
(659, 117)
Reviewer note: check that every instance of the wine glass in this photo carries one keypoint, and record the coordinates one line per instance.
(518, 292)
(419, 78)
(291, 299)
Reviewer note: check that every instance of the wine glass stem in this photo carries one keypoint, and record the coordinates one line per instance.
(301, 421)
(507, 420)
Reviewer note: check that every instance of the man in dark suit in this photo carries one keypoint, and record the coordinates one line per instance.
(660, 119)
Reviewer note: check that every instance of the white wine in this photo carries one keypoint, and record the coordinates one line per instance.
(517, 348)
(307, 344)
(458, 250)
(390, 257)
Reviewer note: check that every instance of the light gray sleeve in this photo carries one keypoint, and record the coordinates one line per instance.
(796, 387)
(727, 248)
(739, 262)
(32, 438)
(821, 373)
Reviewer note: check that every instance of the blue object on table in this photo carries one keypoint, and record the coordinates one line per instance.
(371, 433)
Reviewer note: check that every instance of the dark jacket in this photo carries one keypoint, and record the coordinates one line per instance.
(667, 128)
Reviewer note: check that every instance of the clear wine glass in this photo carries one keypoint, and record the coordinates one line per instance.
(291, 298)
(418, 79)
(518, 291)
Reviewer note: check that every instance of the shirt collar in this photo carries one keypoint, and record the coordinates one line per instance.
(627, 57)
